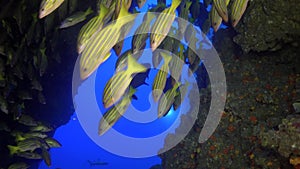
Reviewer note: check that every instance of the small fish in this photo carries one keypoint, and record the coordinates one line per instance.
(43, 61)
(167, 100)
(23, 136)
(195, 9)
(88, 30)
(19, 165)
(48, 6)
(113, 114)
(141, 3)
(27, 120)
(98, 48)
(106, 3)
(3, 105)
(162, 25)
(221, 7)
(29, 155)
(178, 100)
(141, 34)
(36, 85)
(237, 10)
(41, 98)
(75, 18)
(41, 128)
(117, 85)
(193, 67)
(52, 143)
(46, 157)
(159, 82)
(25, 145)
(176, 64)
(184, 14)
(191, 55)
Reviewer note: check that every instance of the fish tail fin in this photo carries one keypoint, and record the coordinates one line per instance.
(134, 66)
(103, 11)
(175, 4)
(131, 91)
(89, 11)
(167, 57)
(188, 4)
(124, 13)
(12, 149)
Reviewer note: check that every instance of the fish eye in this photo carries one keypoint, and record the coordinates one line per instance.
(43, 9)
(85, 69)
(153, 41)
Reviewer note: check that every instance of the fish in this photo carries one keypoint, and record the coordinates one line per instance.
(195, 9)
(167, 100)
(141, 34)
(193, 67)
(160, 79)
(184, 14)
(75, 18)
(106, 3)
(237, 10)
(27, 120)
(19, 165)
(46, 157)
(191, 55)
(162, 25)
(36, 85)
(43, 61)
(179, 98)
(216, 18)
(41, 98)
(41, 128)
(29, 155)
(98, 48)
(296, 106)
(141, 3)
(113, 114)
(176, 64)
(88, 30)
(25, 145)
(3, 105)
(221, 7)
(117, 85)
(52, 143)
(48, 6)
(23, 136)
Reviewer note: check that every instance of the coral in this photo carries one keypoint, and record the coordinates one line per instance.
(268, 25)
(286, 139)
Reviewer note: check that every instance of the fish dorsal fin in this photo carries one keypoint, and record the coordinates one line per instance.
(167, 58)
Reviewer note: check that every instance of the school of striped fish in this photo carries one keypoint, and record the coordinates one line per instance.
(106, 30)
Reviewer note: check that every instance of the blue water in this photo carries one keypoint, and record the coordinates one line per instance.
(79, 149)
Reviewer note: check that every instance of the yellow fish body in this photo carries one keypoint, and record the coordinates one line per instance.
(48, 6)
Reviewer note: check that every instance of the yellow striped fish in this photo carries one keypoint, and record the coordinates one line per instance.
(98, 48)
(237, 10)
(119, 46)
(94, 25)
(167, 100)
(121, 62)
(117, 85)
(184, 14)
(221, 7)
(118, 5)
(48, 6)
(113, 114)
(162, 25)
(183, 90)
(141, 34)
(160, 80)
(216, 19)
(176, 64)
